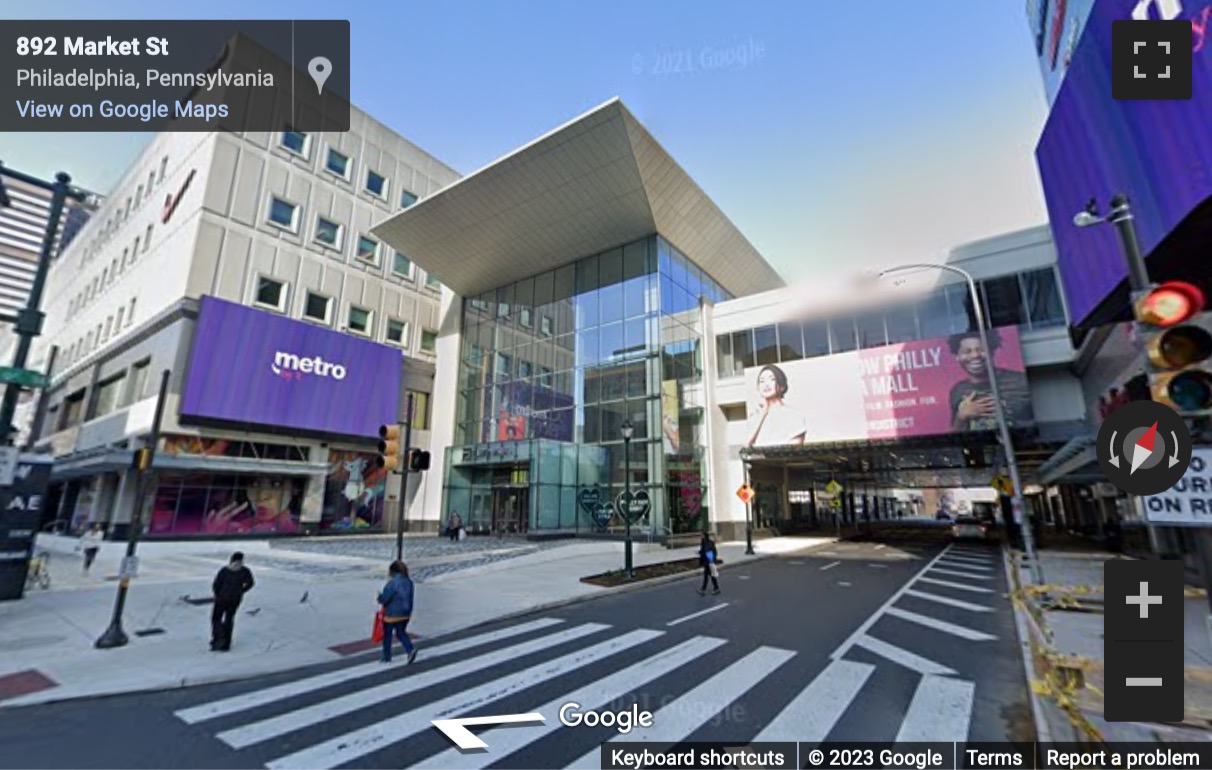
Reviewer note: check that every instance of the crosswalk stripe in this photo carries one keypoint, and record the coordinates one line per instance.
(957, 564)
(959, 586)
(957, 573)
(592, 696)
(366, 740)
(968, 559)
(675, 721)
(813, 713)
(942, 625)
(256, 732)
(250, 700)
(948, 601)
(907, 659)
(941, 710)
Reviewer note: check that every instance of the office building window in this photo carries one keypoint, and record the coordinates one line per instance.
(791, 342)
(138, 381)
(328, 232)
(545, 325)
(420, 410)
(524, 317)
(125, 257)
(407, 198)
(871, 331)
(109, 328)
(109, 395)
(401, 265)
(397, 332)
(118, 322)
(147, 239)
(113, 270)
(317, 307)
(163, 169)
(295, 141)
(432, 283)
(73, 410)
(138, 194)
(104, 278)
(1042, 295)
(765, 346)
(135, 249)
(841, 335)
(1003, 301)
(151, 182)
(368, 250)
(359, 320)
(283, 213)
(429, 340)
(337, 163)
(130, 314)
(376, 184)
(271, 294)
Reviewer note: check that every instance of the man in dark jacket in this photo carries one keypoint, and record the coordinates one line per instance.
(709, 558)
(232, 582)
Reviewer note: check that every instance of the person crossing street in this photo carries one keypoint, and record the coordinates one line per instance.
(709, 558)
(396, 598)
(229, 587)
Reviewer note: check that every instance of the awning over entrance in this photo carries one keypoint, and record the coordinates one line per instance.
(918, 463)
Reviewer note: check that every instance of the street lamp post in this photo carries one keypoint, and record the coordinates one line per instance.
(1002, 425)
(627, 429)
(748, 507)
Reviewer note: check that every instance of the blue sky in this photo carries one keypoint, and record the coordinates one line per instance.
(860, 132)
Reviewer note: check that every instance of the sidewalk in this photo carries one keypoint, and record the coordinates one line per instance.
(1070, 608)
(307, 608)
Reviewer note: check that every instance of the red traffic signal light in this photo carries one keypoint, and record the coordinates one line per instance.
(1169, 303)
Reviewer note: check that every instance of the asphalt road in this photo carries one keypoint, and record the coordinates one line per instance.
(848, 642)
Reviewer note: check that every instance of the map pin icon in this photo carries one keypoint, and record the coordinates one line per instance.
(319, 68)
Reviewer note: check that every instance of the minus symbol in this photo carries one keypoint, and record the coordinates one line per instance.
(1143, 681)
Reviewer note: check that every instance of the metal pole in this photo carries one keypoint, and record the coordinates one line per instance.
(748, 512)
(114, 636)
(1121, 217)
(627, 560)
(29, 318)
(35, 429)
(404, 477)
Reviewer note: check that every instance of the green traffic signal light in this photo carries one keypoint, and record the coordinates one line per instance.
(1191, 391)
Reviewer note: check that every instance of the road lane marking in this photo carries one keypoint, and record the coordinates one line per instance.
(694, 615)
(965, 557)
(870, 621)
(830, 566)
(878, 566)
(256, 732)
(880, 547)
(843, 584)
(941, 710)
(594, 696)
(959, 586)
(343, 749)
(951, 628)
(817, 708)
(675, 721)
(907, 659)
(250, 700)
(954, 564)
(948, 601)
(957, 573)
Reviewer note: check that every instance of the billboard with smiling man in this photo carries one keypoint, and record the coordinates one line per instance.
(920, 388)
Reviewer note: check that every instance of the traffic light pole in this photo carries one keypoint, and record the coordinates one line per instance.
(28, 321)
(405, 474)
(114, 636)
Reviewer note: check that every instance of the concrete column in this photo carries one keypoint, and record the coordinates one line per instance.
(313, 493)
(444, 405)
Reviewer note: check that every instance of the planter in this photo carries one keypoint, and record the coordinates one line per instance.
(646, 572)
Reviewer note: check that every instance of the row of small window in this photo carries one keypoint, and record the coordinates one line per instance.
(273, 294)
(1031, 300)
(86, 345)
(112, 394)
(121, 215)
(330, 234)
(110, 274)
(341, 165)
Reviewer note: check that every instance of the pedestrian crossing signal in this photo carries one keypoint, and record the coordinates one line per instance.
(389, 448)
(418, 460)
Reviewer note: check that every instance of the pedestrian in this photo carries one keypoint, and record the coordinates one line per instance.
(396, 598)
(454, 525)
(232, 582)
(709, 558)
(90, 543)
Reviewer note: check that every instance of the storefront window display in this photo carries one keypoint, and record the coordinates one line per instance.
(222, 504)
(354, 491)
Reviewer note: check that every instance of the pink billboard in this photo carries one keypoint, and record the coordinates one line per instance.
(920, 388)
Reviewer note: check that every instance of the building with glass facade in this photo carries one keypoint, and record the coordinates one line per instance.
(593, 286)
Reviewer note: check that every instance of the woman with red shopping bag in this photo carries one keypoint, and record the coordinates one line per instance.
(396, 601)
(376, 629)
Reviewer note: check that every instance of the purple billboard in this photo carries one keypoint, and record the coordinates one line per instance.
(251, 366)
(1158, 153)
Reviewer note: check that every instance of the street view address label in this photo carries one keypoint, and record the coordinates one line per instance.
(174, 75)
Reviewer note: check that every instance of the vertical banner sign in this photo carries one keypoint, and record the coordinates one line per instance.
(21, 508)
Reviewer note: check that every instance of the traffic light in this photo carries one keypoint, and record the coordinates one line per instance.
(1177, 349)
(389, 448)
(418, 460)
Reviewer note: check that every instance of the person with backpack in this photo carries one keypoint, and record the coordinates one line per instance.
(229, 587)
(710, 559)
(396, 599)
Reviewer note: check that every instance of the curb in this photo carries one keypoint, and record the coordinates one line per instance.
(219, 678)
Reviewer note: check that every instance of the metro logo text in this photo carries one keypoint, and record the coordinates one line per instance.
(288, 364)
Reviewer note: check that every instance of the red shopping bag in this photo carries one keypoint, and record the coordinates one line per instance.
(376, 632)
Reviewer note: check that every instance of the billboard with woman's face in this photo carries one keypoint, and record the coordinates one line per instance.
(920, 388)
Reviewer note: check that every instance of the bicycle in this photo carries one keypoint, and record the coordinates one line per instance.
(39, 571)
